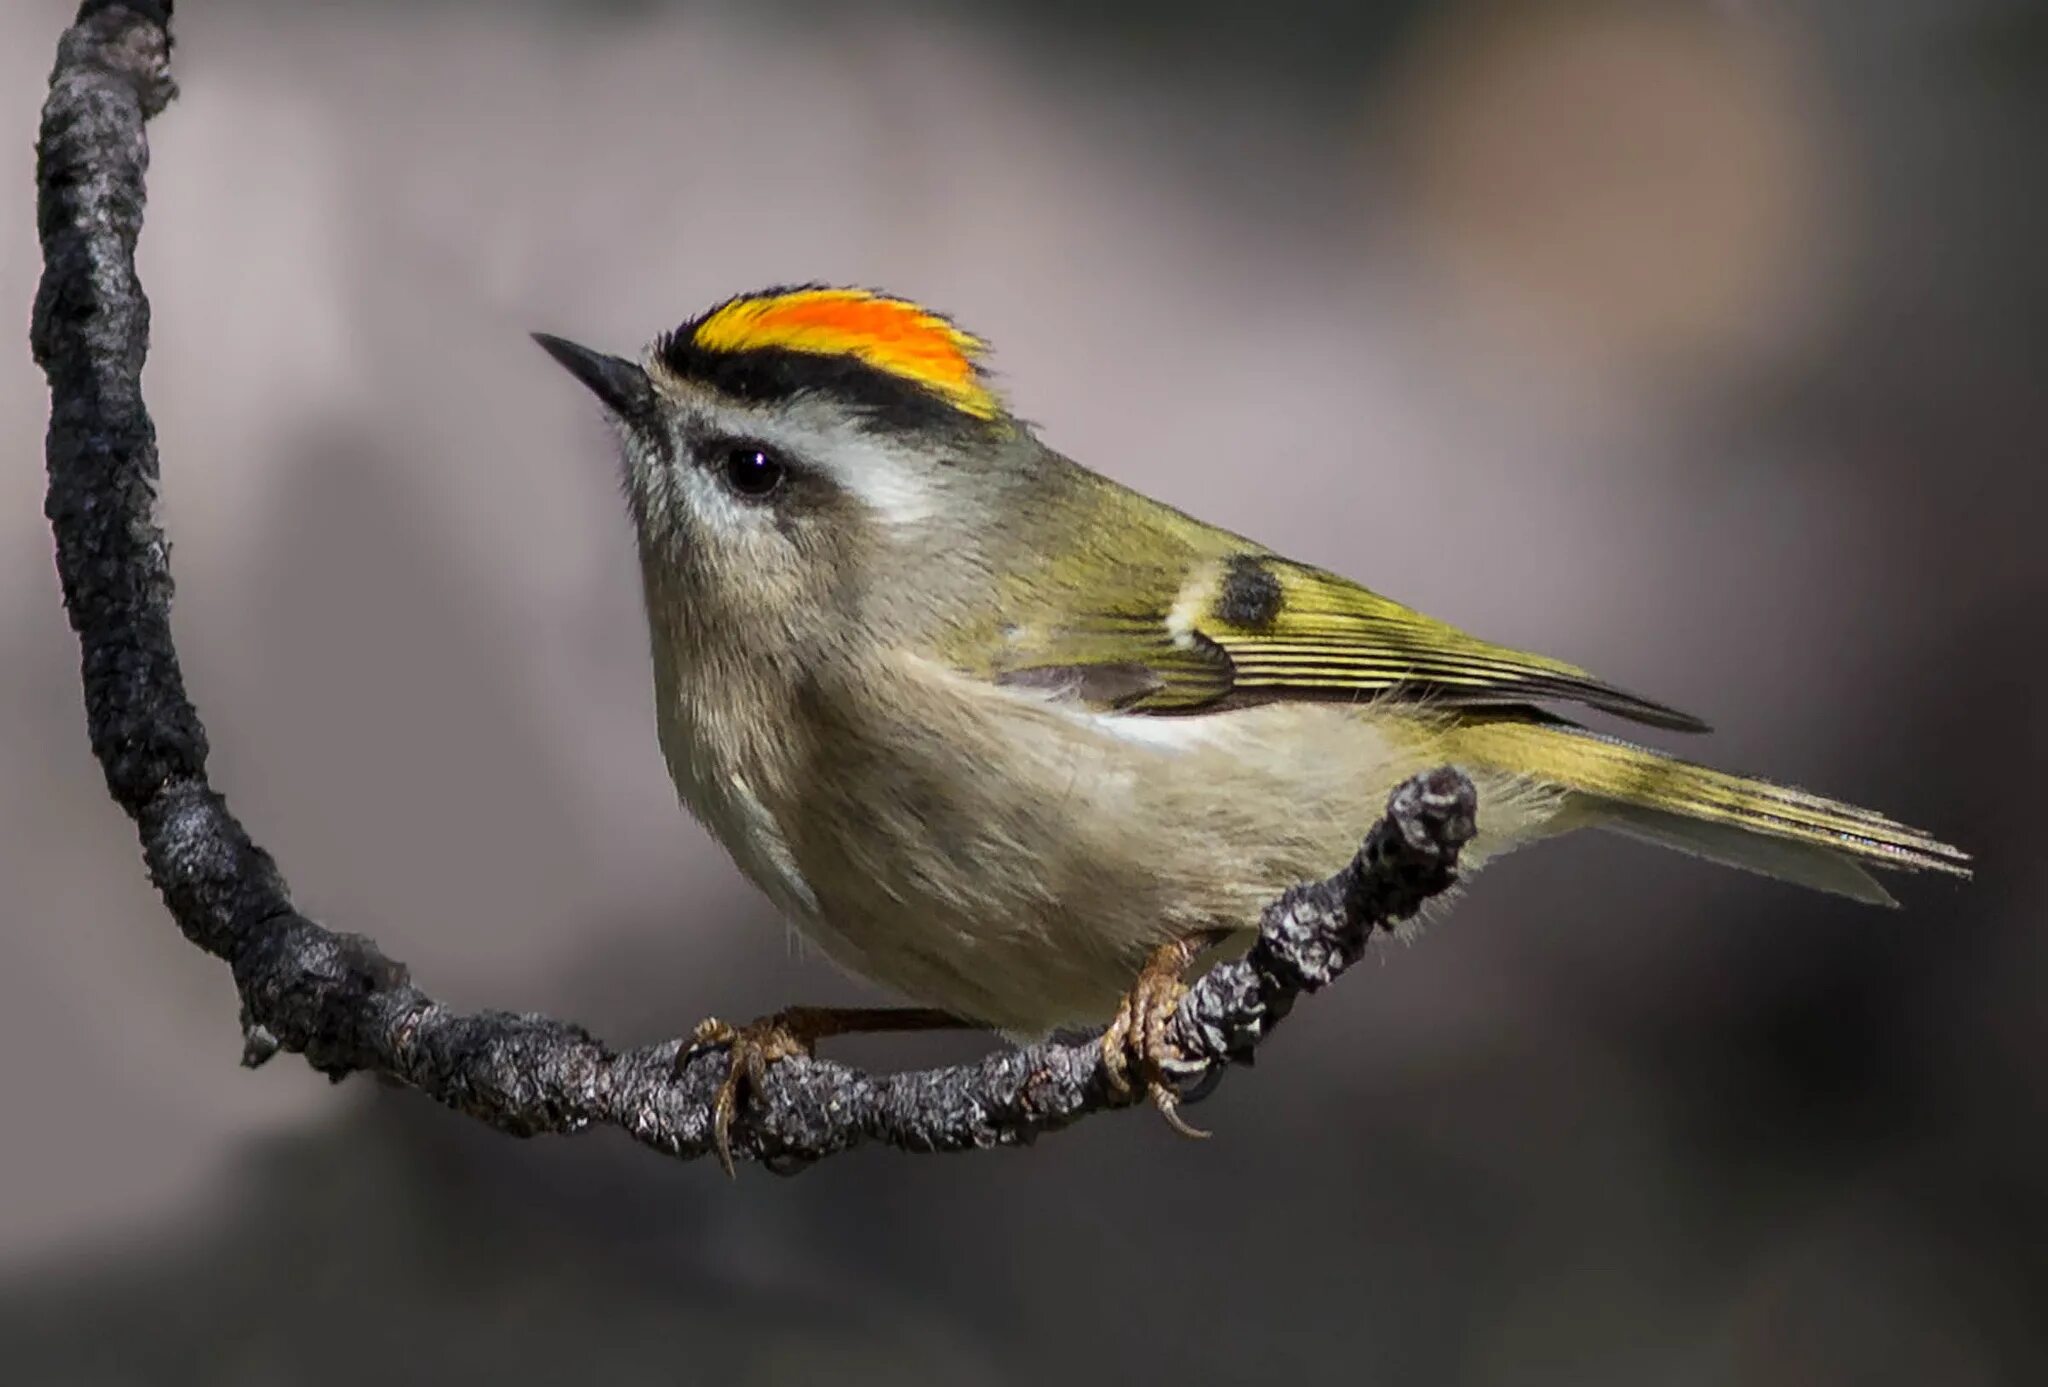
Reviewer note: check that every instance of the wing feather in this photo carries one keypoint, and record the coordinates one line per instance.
(1293, 630)
(1254, 627)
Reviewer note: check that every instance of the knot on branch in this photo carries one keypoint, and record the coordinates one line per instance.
(312, 990)
(1314, 932)
(129, 39)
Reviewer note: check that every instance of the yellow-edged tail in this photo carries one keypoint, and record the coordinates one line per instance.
(1732, 819)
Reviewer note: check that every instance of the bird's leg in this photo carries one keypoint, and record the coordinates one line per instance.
(794, 1031)
(1137, 1037)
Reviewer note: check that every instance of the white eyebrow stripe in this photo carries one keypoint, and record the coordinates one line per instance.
(872, 474)
(818, 434)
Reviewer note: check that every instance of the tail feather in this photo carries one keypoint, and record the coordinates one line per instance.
(1802, 864)
(1732, 819)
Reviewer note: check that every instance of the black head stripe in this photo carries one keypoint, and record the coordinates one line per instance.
(771, 375)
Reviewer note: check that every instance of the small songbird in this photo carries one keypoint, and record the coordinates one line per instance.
(1019, 743)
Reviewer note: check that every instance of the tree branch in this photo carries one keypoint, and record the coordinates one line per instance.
(334, 997)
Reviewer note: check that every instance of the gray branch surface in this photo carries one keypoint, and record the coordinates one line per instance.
(336, 999)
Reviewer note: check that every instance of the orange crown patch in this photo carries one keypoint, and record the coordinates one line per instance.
(892, 335)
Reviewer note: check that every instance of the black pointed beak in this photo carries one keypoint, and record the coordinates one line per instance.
(622, 386)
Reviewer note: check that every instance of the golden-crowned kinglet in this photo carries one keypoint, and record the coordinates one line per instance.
(995, 731)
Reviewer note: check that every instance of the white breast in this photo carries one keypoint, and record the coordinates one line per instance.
(721, 797)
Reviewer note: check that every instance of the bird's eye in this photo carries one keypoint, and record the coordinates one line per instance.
(751, 470)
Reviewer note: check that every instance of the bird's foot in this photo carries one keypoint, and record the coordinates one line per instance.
(795, 1031)
(750, 1049)
(1139, 1042)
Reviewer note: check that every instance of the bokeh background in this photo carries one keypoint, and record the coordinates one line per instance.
(1702, 343)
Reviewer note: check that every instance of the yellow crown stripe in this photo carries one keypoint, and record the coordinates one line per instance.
(892, 335)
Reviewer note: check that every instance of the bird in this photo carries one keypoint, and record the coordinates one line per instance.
(1022, 745)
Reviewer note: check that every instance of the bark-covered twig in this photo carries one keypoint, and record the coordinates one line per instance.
(334, 997)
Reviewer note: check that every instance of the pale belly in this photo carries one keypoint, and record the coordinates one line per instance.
(1013, 861)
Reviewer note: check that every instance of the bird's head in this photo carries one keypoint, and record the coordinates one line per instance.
(789, 447)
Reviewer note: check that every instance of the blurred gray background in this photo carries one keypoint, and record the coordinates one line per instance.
(1700, 343)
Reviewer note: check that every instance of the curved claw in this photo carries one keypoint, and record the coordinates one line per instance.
(758, 1044)
(1139, 1037)
(750, 1050)
(1167, 1101)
